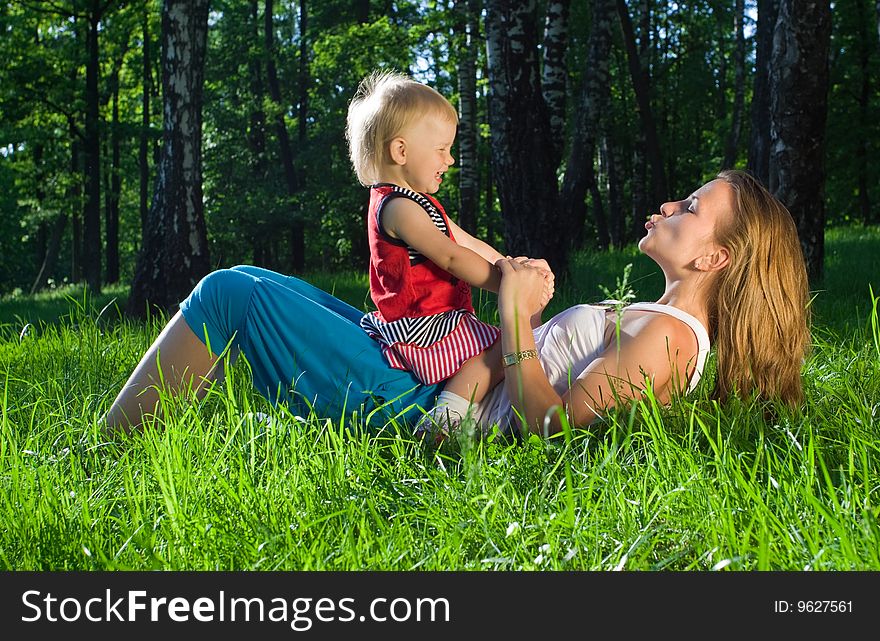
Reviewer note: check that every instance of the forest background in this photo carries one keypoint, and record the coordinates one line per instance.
(577, 120)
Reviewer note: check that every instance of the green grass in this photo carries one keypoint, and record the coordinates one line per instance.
(692, 487)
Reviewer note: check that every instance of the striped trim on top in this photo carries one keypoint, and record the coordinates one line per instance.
(436, 217)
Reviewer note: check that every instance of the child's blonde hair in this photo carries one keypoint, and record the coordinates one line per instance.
(385, 103)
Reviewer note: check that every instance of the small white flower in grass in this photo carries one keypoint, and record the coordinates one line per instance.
(72, 494)
(545, 548)
(774, 483)
(723, 563)
(539, 560)
(570, 554)
(793, 439)
(87, 551)
(513, 528)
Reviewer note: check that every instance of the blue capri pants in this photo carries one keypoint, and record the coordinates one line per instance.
(304, 346)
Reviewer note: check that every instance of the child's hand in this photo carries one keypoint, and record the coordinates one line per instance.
(544, 267)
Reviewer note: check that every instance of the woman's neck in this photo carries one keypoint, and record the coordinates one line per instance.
(688, 295)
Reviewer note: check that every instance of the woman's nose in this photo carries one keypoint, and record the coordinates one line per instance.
(670, 208)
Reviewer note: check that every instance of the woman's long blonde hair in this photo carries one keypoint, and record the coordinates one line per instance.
(758, 306)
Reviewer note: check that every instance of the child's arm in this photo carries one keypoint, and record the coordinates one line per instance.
(403, 219)
(475, 244)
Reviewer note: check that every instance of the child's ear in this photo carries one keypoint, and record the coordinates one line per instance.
(397, 147)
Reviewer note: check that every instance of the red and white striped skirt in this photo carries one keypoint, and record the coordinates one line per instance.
(431, 347)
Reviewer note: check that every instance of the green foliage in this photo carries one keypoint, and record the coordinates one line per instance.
(248, 208)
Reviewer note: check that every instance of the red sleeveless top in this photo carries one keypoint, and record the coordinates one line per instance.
(425, 320)
(403, 283)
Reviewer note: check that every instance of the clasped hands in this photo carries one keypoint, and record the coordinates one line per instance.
(527, 285)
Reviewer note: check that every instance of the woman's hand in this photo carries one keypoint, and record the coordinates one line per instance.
(523, 290)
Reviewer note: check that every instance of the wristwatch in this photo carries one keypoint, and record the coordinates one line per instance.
(518, 357)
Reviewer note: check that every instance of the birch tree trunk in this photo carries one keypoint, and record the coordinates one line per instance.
(798, 111)
(641, 84)
(469, 172)
(759, 143)
(593, 101)
(739, 81)
(522, 162)
(174, 255)
(555, 74)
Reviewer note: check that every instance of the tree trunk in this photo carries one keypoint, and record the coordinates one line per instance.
(112, 213)
(639, 164)
(143, 158)
(759, 143)
(613, 163)
(304, 76)
(641, 86)
(361, 11)
(603, 237)
(864, 105)
(256, 139)
(592, 102)
(53, 249)
(469, 169)
(522, 163)
(555, 73)
(490, 205)
(92, 215)
(297, 243)
(798, 111)
(174, 255)
(42, 243)
(75, 222)
(739, 82)
(721, 93)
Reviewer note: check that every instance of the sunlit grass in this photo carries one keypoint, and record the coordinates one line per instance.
(692, 487)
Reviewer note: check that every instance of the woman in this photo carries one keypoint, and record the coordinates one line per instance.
(734, 274)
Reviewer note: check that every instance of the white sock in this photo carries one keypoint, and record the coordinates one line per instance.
(448, 411)
(452, 402)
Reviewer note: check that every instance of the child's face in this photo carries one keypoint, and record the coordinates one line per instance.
(424, 152)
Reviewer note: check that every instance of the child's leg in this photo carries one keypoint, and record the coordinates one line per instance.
(469, 385)
(478, 375)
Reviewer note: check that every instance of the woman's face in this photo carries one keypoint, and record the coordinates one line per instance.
(683, 233)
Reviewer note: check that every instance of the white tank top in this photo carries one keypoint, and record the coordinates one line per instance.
(568, 343)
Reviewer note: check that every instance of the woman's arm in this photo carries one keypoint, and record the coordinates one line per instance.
(651, 348)
(406, 220)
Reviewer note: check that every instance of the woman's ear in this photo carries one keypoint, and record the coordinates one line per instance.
(713, 261)
(397, 148)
